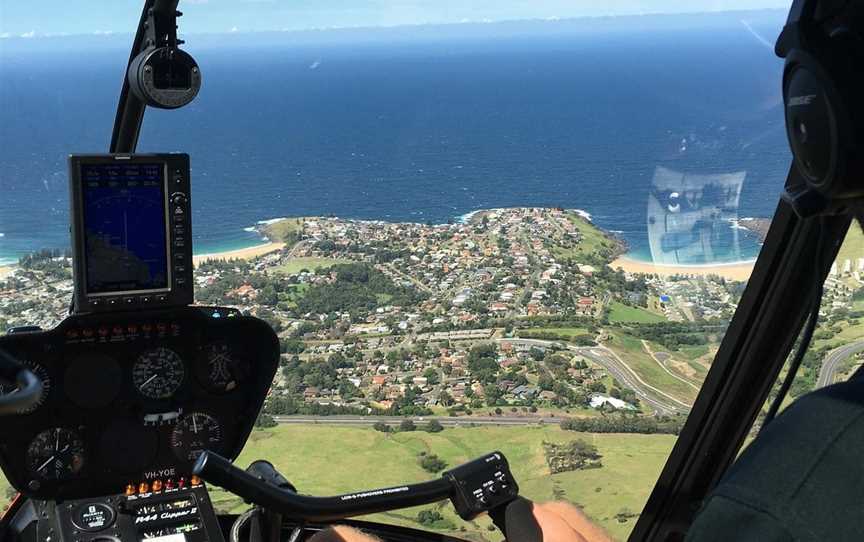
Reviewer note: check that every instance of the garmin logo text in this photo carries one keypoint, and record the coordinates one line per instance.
(375, 493)
(801, 100)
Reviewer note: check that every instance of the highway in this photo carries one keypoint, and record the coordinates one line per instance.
(660, 401)
(833, 360)
(446, 421)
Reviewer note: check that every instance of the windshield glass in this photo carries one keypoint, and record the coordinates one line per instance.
(474, 226)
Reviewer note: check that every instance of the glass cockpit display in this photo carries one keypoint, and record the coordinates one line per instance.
(125, 228)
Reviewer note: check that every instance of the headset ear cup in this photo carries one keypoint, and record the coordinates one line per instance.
(813, 125)
(819, 95)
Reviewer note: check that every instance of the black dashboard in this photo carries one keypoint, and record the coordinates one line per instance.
(133, 398)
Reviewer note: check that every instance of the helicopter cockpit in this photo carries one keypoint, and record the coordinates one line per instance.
(117, 424)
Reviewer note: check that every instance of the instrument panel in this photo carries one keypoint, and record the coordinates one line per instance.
(134, 396)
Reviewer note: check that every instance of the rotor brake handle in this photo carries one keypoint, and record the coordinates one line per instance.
(516, 520)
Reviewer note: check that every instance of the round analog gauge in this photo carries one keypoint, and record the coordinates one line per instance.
(55, 454)
(158, 373)
(223, 368)
(8, 388)
(194, 433)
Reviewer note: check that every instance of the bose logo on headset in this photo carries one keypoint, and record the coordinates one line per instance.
(801, 100)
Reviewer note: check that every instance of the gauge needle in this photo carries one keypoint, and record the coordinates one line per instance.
(56, 440)
(194, 425)
(149, 380)
(51, 459)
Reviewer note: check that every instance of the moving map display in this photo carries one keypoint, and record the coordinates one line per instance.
(126, 247)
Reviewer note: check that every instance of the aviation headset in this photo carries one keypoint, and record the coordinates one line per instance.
(823, 97)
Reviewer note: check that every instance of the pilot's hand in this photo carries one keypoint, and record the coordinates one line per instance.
(559, 521)
(342, 533)
(563, 522)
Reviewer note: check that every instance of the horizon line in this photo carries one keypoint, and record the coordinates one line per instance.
(33, 34)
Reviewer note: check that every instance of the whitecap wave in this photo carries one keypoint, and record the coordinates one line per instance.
(466, 218)
(584, 214)
(251, 229)
(272, 220)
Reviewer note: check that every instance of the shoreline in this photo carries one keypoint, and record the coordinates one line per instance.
(239, 254)
(734, 270)
(246, 253)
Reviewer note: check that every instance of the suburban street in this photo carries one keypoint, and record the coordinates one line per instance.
(833, 360)
(446, 421)
(657, 399)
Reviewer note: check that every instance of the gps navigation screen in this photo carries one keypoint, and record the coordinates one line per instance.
(124, 227)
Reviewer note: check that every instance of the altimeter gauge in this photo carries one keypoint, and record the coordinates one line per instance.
(158, 373)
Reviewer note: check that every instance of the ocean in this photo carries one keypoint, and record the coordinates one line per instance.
(623, 118)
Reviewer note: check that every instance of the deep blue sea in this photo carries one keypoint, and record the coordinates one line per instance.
(418, 125)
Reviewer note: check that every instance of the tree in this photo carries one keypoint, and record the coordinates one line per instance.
(431, 375)
(434, 426)
(291, 346)
(265, 420)
(428, 517)
(432, 463)
(382, 427)
(268, 296)
(407, 425)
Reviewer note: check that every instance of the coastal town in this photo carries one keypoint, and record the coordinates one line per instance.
(518, 312)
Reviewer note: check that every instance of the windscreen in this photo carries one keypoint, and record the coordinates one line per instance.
(476, 226)
(124, 227)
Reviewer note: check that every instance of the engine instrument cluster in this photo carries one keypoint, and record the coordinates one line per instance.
(134, 396)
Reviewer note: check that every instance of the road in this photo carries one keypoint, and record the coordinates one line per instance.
(446, 421)
(659, 400)
(833, 360)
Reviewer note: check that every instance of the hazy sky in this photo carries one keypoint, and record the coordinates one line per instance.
(36, 18)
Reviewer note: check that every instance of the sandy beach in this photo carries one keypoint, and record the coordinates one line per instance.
(5, 270)
(733, 271)
(240, 254)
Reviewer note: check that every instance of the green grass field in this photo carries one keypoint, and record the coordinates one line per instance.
(634, 355)
(279, 230)
(316, 460)
(692, 352)
(849, 332)
(594, 241)
(295, 265)
(329, 460)
(619, 313)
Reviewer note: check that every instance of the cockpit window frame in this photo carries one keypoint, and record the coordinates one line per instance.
(767, 321)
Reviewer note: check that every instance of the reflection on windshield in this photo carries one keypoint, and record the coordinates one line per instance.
(693, 218)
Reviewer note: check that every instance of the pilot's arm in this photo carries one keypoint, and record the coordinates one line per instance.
(560, 522)
(801, 479)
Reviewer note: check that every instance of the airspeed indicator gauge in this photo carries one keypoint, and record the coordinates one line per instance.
(158, 373)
